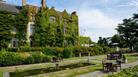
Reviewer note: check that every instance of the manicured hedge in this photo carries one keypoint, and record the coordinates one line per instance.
(14, 58)
(64, 52)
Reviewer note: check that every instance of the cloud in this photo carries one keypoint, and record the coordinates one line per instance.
(133, 3)
(96, 23)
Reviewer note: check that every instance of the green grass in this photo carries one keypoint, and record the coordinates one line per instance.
(1, 74)
(131, 58)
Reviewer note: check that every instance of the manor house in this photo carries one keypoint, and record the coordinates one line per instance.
(70, 21)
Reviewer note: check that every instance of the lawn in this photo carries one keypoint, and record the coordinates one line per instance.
(132, 57)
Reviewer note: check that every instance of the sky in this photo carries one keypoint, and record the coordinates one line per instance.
(97, 18)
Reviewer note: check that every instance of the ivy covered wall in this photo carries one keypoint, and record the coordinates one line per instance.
(52, 28)
(7, 21)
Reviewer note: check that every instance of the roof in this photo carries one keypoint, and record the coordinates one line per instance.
(9, 7)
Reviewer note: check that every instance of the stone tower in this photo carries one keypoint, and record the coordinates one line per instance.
(23, 2)
(43, 3)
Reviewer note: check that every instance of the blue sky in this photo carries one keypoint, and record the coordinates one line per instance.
(96, 17)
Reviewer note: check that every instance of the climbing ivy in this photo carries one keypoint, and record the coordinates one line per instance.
(51, 33)
(21, 25)
(7, 20)
(47, 32)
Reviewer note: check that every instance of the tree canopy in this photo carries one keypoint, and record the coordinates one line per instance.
(128, 30)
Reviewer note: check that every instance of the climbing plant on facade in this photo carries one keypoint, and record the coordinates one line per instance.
(6, 23)
(21, 25)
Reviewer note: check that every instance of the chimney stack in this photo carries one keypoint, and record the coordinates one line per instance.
(23, 2)
(43, 3)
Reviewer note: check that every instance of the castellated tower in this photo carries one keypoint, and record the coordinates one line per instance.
(43, 3)
(23, 2)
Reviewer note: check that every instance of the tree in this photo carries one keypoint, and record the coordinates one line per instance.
(103, 41)
(128, 30)
(117, 39)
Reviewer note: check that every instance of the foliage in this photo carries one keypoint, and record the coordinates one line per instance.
(84, 40)
(129, 72)
(6, 24)
(97, 50)
(9, 58)
(28, 60)
(49, 51)
(55, 32)
(67, 53)
(128, 30)
(21, 26)
(14, 58)
(118, 39)
(103, 41)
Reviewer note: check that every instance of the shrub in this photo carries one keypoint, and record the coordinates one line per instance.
(67, 53)
(80, 49)
(98, 50)
(10, 58)
(38, 57)
(58, 51)
(25, 49)
(49, 51)
(107, 49)
(28, 60)
(46, 58)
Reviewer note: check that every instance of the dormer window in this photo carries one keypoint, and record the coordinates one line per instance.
(52, 18)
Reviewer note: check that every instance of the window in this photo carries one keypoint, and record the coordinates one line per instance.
(65, 28)
(14, 42)
(32, 29)
(52, 18)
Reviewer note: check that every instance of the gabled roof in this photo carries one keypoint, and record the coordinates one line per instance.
(9, 8)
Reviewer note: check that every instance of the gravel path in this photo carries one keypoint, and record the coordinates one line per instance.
(101, 74)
